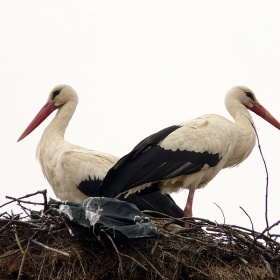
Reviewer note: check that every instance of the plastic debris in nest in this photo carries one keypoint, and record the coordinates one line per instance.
(109, 213)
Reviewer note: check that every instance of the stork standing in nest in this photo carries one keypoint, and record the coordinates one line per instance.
(190, 154)
(74, 172)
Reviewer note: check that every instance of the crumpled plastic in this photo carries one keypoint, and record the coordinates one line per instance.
(109, 213)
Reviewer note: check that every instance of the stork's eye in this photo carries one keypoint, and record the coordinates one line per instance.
(55, 93)
(250, 95)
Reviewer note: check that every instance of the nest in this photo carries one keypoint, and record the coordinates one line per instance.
(50, 247)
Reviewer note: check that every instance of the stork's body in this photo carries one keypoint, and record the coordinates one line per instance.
(68, 167)
(74, 172)
(189, 155)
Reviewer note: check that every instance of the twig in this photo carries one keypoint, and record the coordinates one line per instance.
(276, 258)
(268, 267)
(51, 249)
(18, 241)
(199, 271)
(2, 214)
(221, 211)
(24, 201)
(154, 247)
(15, 245)
(118, 253)
(272, 226)
(178, 260)
(180, 220)
(249, 244)
(19, 222)
(275, 235)
(25, 210)
(81, 261)
(124, 255)
(23, 260)
(261, 234)
(28, 195)
(242, 260)
(5, 226)
(248, 217)
(266, 188)
(245, 239)
(50, 210)
(69, 228)
(187, 230)
(44, 193)
(9, 254)
(43, 262)
(191, 220)
(151, 265)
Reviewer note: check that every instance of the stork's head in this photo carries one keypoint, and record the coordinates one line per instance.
(243, 95)
(62, 94)
(59, 96)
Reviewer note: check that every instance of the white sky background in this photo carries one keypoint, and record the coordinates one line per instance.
(140, 66)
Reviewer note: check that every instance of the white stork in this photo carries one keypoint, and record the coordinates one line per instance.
(190, 154)
(74, 172)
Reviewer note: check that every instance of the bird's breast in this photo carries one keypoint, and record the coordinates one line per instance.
(48, 155)
(244, 144)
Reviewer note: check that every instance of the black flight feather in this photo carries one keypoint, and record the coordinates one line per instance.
(154, 201)
(148, 162)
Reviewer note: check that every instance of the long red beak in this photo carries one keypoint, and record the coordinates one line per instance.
(48, 108)
(262, 112)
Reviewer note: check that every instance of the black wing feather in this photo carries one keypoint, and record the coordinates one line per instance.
(154, 201)
(90, 187)
(148, 162)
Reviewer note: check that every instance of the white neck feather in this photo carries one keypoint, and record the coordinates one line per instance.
(246, 135)
(58, 125)
(239, 112)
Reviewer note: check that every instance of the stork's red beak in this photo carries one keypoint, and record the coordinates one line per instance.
(48, 108)
(262, 112)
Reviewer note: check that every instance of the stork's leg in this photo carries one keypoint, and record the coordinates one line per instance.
(188, 208)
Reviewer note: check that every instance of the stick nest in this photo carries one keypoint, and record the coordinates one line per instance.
(50, 247)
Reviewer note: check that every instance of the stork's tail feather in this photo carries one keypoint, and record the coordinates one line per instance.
(155, 201)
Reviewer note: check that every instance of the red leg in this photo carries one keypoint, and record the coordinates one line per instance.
(188, 208)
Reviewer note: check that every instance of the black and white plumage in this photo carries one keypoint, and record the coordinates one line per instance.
(189, 155)
(74, 172)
